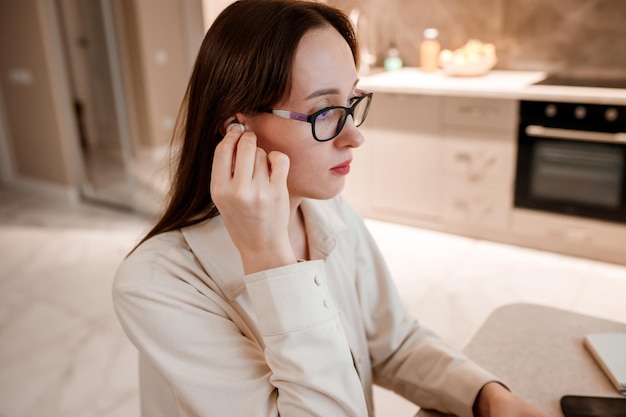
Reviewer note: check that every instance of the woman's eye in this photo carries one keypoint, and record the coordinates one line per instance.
(325, 114)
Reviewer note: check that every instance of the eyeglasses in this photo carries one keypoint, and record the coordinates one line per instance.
(328, 123)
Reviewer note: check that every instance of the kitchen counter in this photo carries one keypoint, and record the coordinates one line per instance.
(495, 84)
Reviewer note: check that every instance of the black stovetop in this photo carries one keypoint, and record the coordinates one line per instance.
(577, 81)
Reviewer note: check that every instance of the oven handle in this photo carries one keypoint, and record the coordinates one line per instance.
(573, 134)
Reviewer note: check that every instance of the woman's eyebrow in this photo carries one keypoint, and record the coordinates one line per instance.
(323, 92)
(327, 91)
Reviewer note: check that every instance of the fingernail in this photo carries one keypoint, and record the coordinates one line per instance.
(232, 125)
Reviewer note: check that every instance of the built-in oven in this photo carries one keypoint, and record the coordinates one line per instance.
(571, 159)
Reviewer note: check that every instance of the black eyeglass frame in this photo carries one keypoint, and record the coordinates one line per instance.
(310, 118)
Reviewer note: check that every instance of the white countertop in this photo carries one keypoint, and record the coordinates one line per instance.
(495, 84)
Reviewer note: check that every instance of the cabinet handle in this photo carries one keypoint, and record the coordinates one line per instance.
(489, 158)
(485, 209)
(477, 111)
(482, 163)
(477, 164)
(474, 210)
(463, 156)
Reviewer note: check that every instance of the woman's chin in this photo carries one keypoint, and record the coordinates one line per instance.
(330, 192)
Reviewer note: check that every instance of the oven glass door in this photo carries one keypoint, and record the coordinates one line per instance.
(572, 177)
(577, 172)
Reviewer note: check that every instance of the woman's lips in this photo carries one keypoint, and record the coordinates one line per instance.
(343, 168)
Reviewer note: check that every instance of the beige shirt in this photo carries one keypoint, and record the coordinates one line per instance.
(307, 339)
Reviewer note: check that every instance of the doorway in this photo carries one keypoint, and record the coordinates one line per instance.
(113, 171)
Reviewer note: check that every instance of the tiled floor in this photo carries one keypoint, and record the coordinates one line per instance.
(62, 353)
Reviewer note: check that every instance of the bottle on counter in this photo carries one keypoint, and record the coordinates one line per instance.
(429, 50)
(393, 61)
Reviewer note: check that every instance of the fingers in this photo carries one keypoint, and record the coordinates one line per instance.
(235, 155)
(237, 158)
(279, 166)
(261, 166)
(224, 156)
(245, 155)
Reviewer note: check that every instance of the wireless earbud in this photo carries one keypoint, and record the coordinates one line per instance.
(230, 126)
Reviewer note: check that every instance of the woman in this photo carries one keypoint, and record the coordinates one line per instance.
(260, 291)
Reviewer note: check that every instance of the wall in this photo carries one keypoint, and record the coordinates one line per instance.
(38, 127)
(133, 68)
(211, 9)
(161, 66)
(530, 34)
(587, 35)
(29, 95)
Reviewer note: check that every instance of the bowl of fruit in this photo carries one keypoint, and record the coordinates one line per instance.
(473, 59)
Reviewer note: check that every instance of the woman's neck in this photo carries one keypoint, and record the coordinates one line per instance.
(297, 233)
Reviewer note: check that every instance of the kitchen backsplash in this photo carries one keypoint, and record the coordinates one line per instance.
(586, 36)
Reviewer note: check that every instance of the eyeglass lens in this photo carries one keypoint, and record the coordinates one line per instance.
(329, 124)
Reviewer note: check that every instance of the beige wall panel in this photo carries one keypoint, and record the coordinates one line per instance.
(132, 68)
(32, 127)
(165, 74)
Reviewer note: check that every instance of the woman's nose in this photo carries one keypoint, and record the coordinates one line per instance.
(350, 135)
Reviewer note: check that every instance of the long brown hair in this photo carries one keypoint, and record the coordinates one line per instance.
(244, 64)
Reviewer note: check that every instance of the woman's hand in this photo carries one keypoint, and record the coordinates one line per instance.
(494, 400)
(249, 188)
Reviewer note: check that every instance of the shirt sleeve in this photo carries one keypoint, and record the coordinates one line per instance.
(214, 367)
(408, 358)
(305, 345)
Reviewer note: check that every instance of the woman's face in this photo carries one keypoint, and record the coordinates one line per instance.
(324, 75)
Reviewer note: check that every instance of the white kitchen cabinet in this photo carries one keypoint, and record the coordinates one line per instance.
(396, 172)
(568, 234)
(481, 113)
(442, 162)
(404, 167)
(475, 206)
(478, 151)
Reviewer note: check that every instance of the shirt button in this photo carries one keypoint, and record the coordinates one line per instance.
(317, 280)
(327, 304)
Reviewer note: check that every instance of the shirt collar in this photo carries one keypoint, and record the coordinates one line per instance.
(211, 244)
